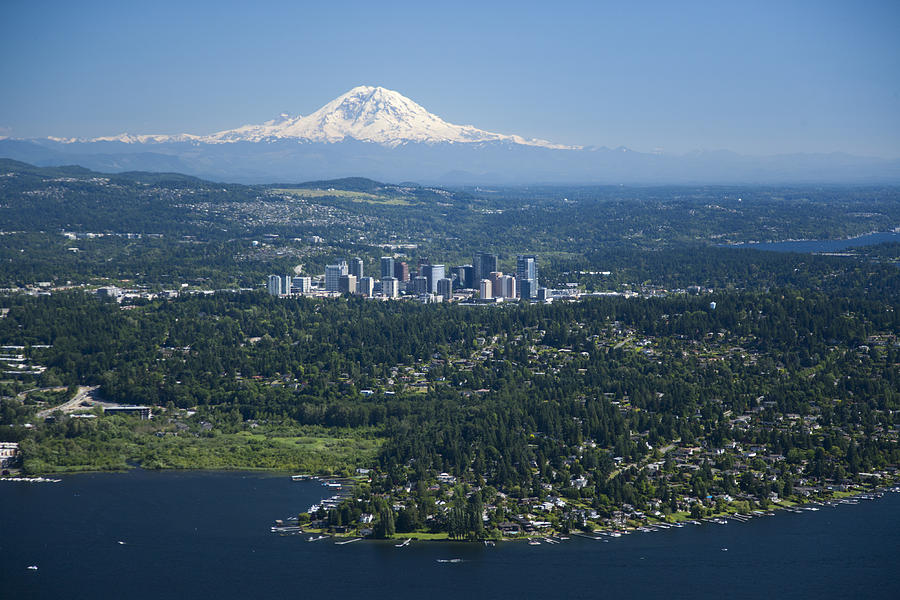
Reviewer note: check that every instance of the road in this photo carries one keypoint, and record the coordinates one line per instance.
(84, 394)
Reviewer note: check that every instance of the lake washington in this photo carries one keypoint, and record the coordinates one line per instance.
(206, 535)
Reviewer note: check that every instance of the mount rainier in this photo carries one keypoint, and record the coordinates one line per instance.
(379, 133)
(365, 113)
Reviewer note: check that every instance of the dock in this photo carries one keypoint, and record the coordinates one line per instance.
(350, 541)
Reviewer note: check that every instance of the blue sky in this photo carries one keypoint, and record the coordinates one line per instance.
(754, 77)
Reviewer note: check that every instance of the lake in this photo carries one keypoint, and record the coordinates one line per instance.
(206, 535)
(806, 246)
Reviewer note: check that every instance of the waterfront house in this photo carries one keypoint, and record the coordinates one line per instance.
(509, 528)
(9, 453)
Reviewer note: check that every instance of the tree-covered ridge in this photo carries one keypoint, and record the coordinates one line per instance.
(594, 401)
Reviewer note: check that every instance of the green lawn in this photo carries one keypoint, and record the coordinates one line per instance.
(347, 195)
(312, 450)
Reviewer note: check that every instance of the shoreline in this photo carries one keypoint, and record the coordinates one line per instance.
(836, 498)
(722, 518)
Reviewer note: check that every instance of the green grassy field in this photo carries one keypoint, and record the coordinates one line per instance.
(347, 195)
(319, 452)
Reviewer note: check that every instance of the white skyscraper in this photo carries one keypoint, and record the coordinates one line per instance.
(390, 287)
(274, 285)
(486, 289)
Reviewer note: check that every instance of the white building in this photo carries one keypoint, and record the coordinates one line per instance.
(274, 285)
(486, 289)
(390, 287)
(507, 286)
(9, 452)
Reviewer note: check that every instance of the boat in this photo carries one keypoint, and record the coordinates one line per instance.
(489, 543)
(533, 542)
(449, 560)
(32, 567)
(316, 539)
(284, 529)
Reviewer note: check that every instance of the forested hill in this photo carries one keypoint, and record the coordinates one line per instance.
(663, 404)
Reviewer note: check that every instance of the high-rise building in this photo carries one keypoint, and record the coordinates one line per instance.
(420, 284)
(356, 267)
(366, 286)
(496, 279)
(527, 269)
(390, 287)
(347, 284)
(465, 276)
(527, 291)
(507, 286)
(484, 265)
(387, 266)
(333, 274)
(432, 274)
(445, 288)
(273, 286)
(486, 292)
(401, 271)
(302, 284)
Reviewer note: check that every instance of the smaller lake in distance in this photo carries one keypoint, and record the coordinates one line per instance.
(206, 535)
(807, 246)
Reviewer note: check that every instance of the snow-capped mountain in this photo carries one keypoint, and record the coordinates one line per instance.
(365, 113)
(378, 133)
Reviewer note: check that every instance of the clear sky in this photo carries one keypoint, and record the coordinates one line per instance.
(756, 77)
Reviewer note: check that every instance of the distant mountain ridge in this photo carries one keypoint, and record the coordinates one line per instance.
(365, 113)
(380, 134)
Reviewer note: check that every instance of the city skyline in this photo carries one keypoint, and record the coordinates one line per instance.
(430, 281)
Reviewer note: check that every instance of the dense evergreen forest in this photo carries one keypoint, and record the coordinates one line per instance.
(772, 380)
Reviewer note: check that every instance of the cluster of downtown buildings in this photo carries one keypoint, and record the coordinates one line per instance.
(429, 283)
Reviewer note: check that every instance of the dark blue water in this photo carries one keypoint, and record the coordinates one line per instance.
(807, 246)
(205, 535)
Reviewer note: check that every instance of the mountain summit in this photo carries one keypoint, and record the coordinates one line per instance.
(365, 113)
(380, 134)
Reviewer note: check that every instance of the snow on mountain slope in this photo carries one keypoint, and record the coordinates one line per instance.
(365, 113)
